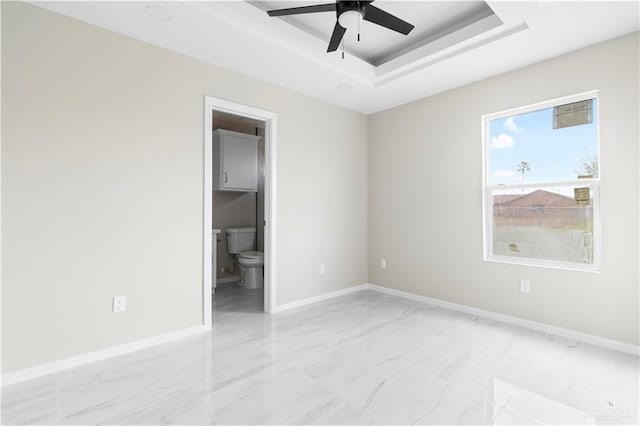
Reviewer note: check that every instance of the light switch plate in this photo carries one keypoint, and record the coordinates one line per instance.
(119, 303)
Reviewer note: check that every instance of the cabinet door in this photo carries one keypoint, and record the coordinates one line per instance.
(240, 162)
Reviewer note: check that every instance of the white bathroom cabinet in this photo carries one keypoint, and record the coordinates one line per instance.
(235, 159)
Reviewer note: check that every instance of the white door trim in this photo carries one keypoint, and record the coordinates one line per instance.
(270, 118)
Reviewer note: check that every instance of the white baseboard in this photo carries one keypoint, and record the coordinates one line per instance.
(533, 325)
(227, 279)
(319, 298)
(76, 361)
(65, 364)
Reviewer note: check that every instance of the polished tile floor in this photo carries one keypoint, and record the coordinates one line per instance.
(364, 358)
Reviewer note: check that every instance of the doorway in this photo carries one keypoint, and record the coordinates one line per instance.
(241, 113)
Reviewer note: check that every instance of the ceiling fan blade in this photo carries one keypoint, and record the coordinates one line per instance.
(331, 7)
(387, 20)
(336, 37)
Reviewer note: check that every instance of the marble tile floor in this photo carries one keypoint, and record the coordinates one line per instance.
(364, 358)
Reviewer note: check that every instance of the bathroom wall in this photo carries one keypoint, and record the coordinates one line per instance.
(102, 187)
(425, 196)
(232, 209)
(260, 195)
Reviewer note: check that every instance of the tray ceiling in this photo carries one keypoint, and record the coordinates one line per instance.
(454, 42)
(377, 45)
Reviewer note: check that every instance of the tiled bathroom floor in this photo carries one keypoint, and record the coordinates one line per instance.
(232, 297)
(364, 358)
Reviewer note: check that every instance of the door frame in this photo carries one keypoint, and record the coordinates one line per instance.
(270, 131)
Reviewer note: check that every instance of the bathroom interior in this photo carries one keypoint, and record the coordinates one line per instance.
(238, 213)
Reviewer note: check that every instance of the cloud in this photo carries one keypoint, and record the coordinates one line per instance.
(502, 141)
(510, 123)
(504, 173)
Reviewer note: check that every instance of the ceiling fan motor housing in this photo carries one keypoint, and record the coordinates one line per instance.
(351, 6)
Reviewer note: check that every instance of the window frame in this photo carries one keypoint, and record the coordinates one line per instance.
(487, 189)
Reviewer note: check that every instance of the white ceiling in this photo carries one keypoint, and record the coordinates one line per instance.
(453, 44)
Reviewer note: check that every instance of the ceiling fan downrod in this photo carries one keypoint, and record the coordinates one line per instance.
(359, 17)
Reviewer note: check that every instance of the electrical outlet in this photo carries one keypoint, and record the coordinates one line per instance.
(119, 303)
(322, 268)
(525, 286)
(383, 263)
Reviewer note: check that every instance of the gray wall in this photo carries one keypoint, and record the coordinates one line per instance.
(102, 187)
(425, 203)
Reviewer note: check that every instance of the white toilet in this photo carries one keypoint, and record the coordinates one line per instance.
(241, 243)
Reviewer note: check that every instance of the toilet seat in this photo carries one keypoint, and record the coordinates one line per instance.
(251, 255)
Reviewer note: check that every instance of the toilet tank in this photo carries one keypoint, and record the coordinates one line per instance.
(241, 239)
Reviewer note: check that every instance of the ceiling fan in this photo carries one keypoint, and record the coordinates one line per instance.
(346, 10)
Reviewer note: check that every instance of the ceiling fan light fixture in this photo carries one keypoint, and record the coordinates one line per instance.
(349, 19)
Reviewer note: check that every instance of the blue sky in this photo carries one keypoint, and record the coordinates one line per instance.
(551, 154)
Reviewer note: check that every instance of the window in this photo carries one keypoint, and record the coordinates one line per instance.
(541, 184)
